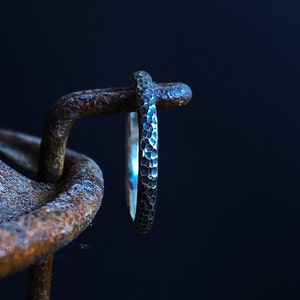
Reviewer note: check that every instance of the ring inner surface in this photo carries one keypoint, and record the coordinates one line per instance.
(132, 144)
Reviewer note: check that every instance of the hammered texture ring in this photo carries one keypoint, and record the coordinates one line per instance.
(142, 155)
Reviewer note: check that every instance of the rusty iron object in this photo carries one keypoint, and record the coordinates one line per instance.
(75, 106)
(38, 217)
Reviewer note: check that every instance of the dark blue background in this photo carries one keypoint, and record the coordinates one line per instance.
(228, 218)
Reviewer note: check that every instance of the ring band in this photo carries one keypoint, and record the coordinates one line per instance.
(142, 155)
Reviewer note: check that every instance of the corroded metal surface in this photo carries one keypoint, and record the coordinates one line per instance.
(30, 237)
(40, 280)
(19, 194)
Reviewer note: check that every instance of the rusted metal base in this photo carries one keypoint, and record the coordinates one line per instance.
(28, 238)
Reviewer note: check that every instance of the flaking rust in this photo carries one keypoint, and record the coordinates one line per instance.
(41, 227)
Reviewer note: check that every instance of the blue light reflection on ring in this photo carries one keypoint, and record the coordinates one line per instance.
(132, 170)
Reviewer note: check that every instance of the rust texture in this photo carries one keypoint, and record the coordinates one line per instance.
(40, 280)
(30, 237)
(21, 195)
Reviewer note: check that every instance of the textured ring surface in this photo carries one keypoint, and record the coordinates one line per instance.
(142, 155)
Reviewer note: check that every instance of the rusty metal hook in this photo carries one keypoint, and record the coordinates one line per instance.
(52, 211)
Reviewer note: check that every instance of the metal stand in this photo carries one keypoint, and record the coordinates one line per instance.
(57, 213)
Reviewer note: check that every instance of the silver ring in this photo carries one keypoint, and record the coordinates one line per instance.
(142, 155)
